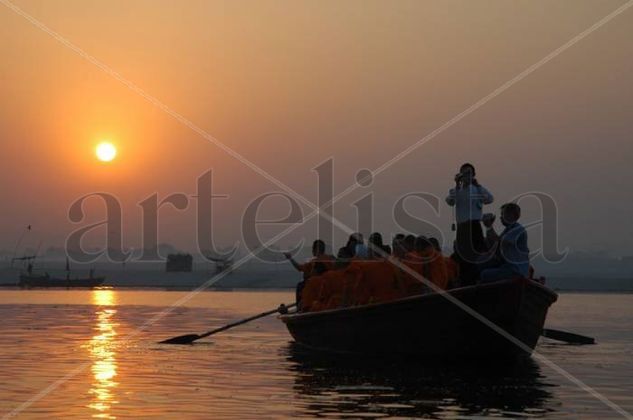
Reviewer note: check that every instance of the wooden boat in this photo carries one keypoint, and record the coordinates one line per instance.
(44, 280)
(430, 325)
(30, 280)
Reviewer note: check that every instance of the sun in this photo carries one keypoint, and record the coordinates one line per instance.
(105, 151)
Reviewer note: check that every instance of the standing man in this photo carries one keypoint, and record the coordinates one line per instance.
(468, 197)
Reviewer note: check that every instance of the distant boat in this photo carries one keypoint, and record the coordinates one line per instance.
(179, 263)
(431, 326)
(45, 280)
(30, 280)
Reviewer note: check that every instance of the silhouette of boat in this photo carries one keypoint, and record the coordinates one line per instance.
(45, 280)
(30, 280)
(431, 325)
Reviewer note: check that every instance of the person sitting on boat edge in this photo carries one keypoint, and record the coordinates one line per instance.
(510, 252)
(320, 263)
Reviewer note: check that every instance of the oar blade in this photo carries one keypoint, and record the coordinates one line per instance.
(182, 339)
(567, 337)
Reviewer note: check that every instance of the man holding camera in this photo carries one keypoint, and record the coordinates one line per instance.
(468, 197)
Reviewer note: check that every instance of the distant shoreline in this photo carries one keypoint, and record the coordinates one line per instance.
(10, 286)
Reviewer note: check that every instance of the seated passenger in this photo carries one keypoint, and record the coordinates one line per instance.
(511, 256)
(362, 251)
(376, 248)
(436, 244)
(360, 283)
(377, 282)
(320, 263)
(434, 263)
(349, 250)
(409, 275)
(409, 243)
(397, 246)
(452, 266)
(326, 291)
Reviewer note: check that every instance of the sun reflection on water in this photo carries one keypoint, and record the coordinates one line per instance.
(103, 354)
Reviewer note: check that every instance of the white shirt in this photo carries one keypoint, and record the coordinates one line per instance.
(468, 202)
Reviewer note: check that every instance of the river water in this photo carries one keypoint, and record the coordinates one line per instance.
(80, 354)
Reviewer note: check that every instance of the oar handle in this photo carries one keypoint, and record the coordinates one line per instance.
(244, 321)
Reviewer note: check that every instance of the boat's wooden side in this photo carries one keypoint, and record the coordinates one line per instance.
(47, 281)
(431, 325)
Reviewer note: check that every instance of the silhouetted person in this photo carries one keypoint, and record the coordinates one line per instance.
(362, 250)
(376, 248)
(434, 265)
(511, 256)
(397, 246)
(436, 244)
(320, 263)
(409, 243)
(468, 197)
(348, 251)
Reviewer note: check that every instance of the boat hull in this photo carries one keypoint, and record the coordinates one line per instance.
(431, 325)
(27, 281)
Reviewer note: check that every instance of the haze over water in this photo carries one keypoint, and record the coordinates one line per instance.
(256, 371)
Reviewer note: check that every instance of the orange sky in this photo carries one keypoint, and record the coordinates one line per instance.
(289, 84)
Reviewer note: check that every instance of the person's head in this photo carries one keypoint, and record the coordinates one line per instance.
(396, 244)
(510, 213)
(352, 240)
(436, 244)
(376, 248)
(318, 248)
(409, 243)
(467, 173)
(398, 247)
(375, 239)
(422, 243)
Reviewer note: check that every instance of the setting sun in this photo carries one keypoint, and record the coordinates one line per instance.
(105, 152)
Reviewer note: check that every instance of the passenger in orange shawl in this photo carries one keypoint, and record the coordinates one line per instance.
(452, 266)
(319, 264)
(434, 264)
(412, 285)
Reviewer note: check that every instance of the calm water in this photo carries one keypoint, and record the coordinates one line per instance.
(69, 348)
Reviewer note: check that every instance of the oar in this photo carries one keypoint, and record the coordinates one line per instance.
(190, 338)
(567, 337)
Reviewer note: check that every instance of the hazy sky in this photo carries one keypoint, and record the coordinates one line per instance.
(289, 84)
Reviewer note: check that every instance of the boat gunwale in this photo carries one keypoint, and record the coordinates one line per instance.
(296, 316)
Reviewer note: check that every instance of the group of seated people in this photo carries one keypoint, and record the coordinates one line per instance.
(366, 273)
(362, 273)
